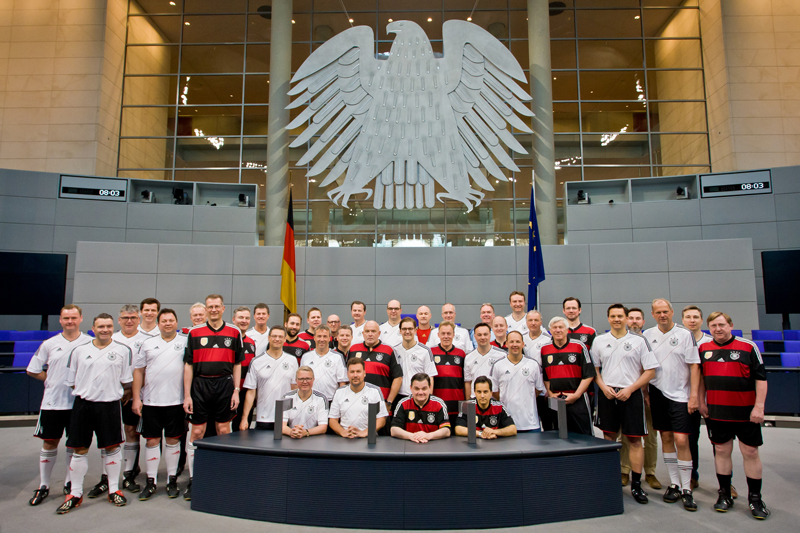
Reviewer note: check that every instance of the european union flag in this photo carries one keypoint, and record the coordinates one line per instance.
(535, 259)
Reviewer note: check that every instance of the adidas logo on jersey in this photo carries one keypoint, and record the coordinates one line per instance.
(346, 400)
(508, 371)
(59, 349)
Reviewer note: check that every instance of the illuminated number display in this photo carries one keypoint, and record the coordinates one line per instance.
(736, 184)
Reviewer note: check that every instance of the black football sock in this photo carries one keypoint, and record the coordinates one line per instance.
(725, 484)
(636, 480)
(754, 487)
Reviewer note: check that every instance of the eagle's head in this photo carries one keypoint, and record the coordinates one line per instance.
(407, 34)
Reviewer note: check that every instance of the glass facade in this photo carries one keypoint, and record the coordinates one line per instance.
(628, 92)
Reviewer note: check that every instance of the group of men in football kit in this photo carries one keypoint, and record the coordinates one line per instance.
(174, 386)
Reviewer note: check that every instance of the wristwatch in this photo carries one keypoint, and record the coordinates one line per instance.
(237, 389)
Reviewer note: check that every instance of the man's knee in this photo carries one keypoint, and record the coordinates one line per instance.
(50, 444)
(748, 452)
(681, 440)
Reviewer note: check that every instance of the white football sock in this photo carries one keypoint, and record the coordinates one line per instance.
(113, 464)
(47, 460)
(671, 460)
(685, 471)
(131, 449)
(69, 460)
(78, 468)
(152, 456)
(190, 458)
(172, 453)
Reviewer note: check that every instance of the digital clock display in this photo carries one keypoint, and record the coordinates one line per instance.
(736, 184)
(737, 187)
(86, 188)
(117, 193)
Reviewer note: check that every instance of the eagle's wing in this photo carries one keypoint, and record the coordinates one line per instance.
(485, 99)
(330, 83)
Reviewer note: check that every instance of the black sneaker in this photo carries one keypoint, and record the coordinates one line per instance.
(67, 488)
(173, 490)
(673, 494)
(100, 488)
(39, 495)
(688, 501)
(149, 490)
(758, 508)
(639, 495)
(129, 482)
(69, 504)
(723, 503)
(187, 495)
(117, 498)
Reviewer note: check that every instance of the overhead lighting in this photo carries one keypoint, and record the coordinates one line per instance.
(293, 21)
(187, 23)
(351, 21)
(555, 78)
(606, 138)
(469, 19)
(430, 19)
(217, 142)
(636, 17)
(172, 3)
(391, 20)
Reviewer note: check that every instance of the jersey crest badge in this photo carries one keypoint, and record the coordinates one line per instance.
(379, 357)
(735, 355)
(708, 355)
(584, 338)
(137, 344)
(492, 420)
(457, 360)
(364, 400)
(112, 356)
(328, 363)
(526, 371)
(178, 347)
(413, 358)
(203, 341)
(228, 343)
(673, 341)
(572, 358)
(311, 409)
(437, 359)
(627, 347)
(286, 366)
(431, 418)
(411, 415)
(549, 359)
(358, 354)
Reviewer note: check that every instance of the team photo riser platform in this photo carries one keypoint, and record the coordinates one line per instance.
(396, 484)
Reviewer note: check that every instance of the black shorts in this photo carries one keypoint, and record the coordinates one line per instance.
(129, 418)
(211, 399)
(53, 423)
(103, 419)
(169, 420)
(579, 418)
(628, 415)
(721, 432)
(669, 415)
(267, 426)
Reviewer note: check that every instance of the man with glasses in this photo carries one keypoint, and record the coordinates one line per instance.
(308, 415)
(334, 323)
(413, 356)
(390, 330)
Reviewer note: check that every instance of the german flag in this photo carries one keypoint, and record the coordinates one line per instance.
(288, 271)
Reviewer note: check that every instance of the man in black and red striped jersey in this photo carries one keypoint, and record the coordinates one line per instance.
(421, 417)
(732, 396)
(567, 370)
(314, 319)
(577, 330)
(492, 419)
(241, 317)
(449, 360)
(294, 345)
(212, 373)
(380, 364)
(500, 332)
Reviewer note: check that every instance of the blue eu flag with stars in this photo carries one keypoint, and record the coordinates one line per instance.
(535, 260)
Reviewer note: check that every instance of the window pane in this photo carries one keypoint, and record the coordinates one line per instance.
(154, 30)
(208, 176)
(568, 149)
(613, 117)
(255, 119)
(257, 58)
(562, 24)
(146, 174)
(137, 8)
(562, 54)
(358, 217)
(565, 117)
(256, 89)
(259, 29)
(215, 6)
(215, 152)
(675, 85)
(613, 85)
(615, 173)
(211, 59)
(254, 153)
(673, 53)
(565, 174)
(679, 171)
(342, 240)
(301, 27)
(213, 28)
(209, 121)
(151, 60)
(607, 3)
(300, 53)
(218, 90)
(147, 121)
(257, 177)
(612, 149)
(150, 90)
(520, 51)
(565, 85)
(494, 216)
(680, 149)
(671, 23)
(471, 239)
(410, 221)
(432, 29)
(145, 153)
(609, 23)
(610, 54)
(678, 116)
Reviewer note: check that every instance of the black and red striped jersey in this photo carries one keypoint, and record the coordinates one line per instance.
(380, 364)
(249, 354)
(494, 416)
(449, 383)
(214, 352)
(503, 346)
(730, 371)
(308, 337)
(582, 333)
(297, 348)
(567, 366)
(428, 418)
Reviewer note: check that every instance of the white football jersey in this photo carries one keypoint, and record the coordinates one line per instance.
(358, 333)
(476, 365)
(310, 413)
(163, 375)
(54, 354)
(261, 340)
(460, 339)
(351, 408)
(675, 350)
(413, 361)
(518, 385)
(622, 360)
(390, 335)
(520, 325)
(533, 347)
(97, 374)
(135, 342)
(152, 333)
(329, 371)
(272, 379)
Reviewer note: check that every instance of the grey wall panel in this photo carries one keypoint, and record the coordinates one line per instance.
(719, 286)
(744, 314)
(320, 290)
(763, 234)
(737, 209)
(411, 261)
(789, 234)
(605, 235)
(69, 291)
(556, 287)
(92, 213)
(158, 236)
(160, 216)
(552, 310)
(678, 233)
(759, 290)
(409, 288)
(600, 216)
(492, 260)
(691, 256)
(19, 210)
(522, 285)
(258, 260)
(114, 257)
(256, 288)
(758, 269)
(231, 219)
(340, 262)
(195, 259)
(786, 206)
(641, 257)
(191, 288)
(71, 261)
(103, 288)
(220, 237)
(572, 259)
(299, 258)
(633, 287)
(65, 238)
(27, 183)
(26, 237)
(471, 289)
(661, 214)
(785, 179)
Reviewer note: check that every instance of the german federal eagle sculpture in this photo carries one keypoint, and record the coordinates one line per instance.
(412, 119)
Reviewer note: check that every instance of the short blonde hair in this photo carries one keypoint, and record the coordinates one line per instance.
(716, 314)
(556, 320)
(669, 304)
(304, 368)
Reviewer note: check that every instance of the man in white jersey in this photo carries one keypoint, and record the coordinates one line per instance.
(149, 309)
(536, 336)
(260, 331)
(624, 364)
(517, 381)
(487, 315)
(328, 365)
(413, 356)
(674, 398)
(390, 330)
(348, 415)
(479, 361)
(49, 364)
(357, 311)
(460, 338)
(517, 320)
(158, 399)
(308, 414)
(270, 377)
(100, 375)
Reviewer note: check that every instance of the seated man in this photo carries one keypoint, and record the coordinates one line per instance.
(492, 419)
(421, 417)
(348, 415)
(309, 413)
